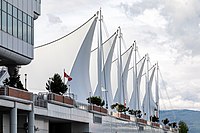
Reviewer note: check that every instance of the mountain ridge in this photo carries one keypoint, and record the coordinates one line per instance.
(190, 117)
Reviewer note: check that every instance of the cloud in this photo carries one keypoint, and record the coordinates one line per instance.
(54, 19)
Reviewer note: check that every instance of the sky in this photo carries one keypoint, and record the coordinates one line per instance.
(167, 30)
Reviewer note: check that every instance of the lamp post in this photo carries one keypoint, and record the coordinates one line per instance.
(106, 98)
(25, 81)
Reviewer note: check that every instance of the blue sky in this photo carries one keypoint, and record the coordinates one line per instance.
(168, 30)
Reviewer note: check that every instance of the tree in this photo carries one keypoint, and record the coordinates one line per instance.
(183, 128)
(14, 80)
(119, 107)
(154, 119)
(136, 113)
(96, 100)
(165, 121)
(56, 85)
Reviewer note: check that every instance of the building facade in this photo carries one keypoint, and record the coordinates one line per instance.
(17, 31)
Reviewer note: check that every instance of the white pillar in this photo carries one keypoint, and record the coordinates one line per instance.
(31, 119)
(13, 122)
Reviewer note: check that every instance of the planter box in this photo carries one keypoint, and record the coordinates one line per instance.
(17, 93)
(120, 115)
(68, 100)
(141, 121)
(60, 98)
(154, 124)
(167, 127)
(97, 109)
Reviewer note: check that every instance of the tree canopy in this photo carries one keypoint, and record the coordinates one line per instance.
(56, 85)
(183, 128)
(14, 81)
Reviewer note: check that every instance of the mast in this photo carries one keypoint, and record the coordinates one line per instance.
(120, 66)
(99, 91)
(157, 92)
(136, 79)
(148, 91)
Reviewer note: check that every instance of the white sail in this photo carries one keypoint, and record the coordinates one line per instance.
(108, 50)
(121, 93)
(65, 52)
(80, 70)
(135, 96)
(149, 105)
(125, 76)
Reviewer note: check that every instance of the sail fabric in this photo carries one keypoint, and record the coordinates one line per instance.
(149, 105)
(108, 50)
(135, 96)
(80, 71)
(121, 95)
(64, 52)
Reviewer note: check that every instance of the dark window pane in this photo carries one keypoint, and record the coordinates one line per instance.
(4, 21)
(19, 29)
(10, 24)
(24, 17)
(15, 27)
(29, 34)
(15, 12)
(4, 6)
(20, 15)
(10, 9)
(25, 32)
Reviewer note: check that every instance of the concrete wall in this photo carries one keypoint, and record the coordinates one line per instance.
(41, 125)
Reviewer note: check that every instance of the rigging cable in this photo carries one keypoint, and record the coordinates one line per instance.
(165, 87)
(67, 34)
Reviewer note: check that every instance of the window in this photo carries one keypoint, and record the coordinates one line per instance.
(10, 24)
(24, 17)
(4, 6)
(10, 9)
(14, 12)
(20, 15)
(15, 27)
(4, 21)
(0, 19)
(16, 22)
(24, 32)
(19, 29)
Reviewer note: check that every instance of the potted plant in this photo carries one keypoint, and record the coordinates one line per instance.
(57, 88)
(13, 87)
(136, 113)
(96, 104)
(121, 108)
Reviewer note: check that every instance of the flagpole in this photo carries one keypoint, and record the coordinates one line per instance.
(64, 77)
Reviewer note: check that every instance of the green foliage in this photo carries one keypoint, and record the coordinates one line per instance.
(154, 119)
(173, 125)
(183, 128)
(136, 113)
(165, 121)
(56, 85)
(96, 100)
(119, 107)
(14, 81)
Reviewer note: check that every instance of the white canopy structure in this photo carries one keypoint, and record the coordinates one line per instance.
(73, 53)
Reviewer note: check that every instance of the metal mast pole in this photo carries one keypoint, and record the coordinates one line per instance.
(120, 67)
(100, 56)
(157, 92)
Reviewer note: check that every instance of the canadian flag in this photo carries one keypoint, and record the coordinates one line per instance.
(67, 76)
